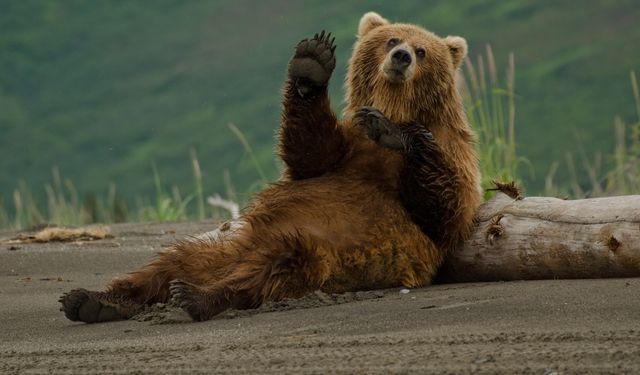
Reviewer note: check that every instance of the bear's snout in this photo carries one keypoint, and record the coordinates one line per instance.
(401, 58)
(398, 66)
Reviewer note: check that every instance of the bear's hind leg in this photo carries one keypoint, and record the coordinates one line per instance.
(261, 276)
(125, 297)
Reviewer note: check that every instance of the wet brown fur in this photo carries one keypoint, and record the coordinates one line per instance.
(341, 218)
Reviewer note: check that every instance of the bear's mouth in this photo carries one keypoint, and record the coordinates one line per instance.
(395, 75)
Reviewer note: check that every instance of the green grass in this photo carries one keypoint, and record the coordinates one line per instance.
(490, 105)
(63, 206)
(619, 174)
(625, 178)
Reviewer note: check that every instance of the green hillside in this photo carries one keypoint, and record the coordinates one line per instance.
(101, 89)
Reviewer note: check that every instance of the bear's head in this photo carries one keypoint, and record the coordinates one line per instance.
(403, 70)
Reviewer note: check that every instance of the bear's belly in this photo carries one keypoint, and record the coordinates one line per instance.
(329, 208)
(340, 213)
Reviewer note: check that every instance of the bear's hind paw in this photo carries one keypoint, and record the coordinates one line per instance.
(86, 306)
(196, 302)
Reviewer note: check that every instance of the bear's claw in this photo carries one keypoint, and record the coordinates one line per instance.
(313, 63)
(380, 129)
(405, 138)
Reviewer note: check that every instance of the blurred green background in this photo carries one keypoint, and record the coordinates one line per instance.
(101, 89)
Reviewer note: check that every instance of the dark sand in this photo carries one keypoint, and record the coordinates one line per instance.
(532, 327)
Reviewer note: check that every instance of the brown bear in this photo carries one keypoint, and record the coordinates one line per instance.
(373, 201)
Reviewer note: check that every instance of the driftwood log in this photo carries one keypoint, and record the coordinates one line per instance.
(549, 238)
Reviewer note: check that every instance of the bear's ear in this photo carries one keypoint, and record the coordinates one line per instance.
(370, 21)
(457, 47)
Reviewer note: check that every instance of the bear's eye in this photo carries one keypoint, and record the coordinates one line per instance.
(393, 42)
(420, 52)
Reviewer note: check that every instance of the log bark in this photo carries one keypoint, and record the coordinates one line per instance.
(549, 238)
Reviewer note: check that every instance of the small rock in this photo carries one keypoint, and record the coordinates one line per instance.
(487, 359)
(404, 291)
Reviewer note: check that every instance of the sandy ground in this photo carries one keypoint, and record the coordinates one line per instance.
(533, 327)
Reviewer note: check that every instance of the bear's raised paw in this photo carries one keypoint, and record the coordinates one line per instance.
(312, 63)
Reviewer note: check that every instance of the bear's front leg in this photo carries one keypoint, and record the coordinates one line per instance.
(311, 141)
(429, 187)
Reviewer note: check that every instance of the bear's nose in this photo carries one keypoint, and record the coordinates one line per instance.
(401, 58)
